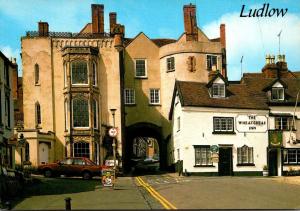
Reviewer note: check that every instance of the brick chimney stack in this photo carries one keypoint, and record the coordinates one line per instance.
(43, 29)
(97, 18)
(112, 21)
(190, 22)
(223, 35)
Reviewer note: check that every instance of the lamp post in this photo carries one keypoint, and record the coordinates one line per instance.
(113, 112)
(21, 143)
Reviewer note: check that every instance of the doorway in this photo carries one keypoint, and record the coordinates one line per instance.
(44, 153)
(273, 166)
(225, 161)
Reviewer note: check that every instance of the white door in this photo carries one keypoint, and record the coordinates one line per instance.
(44, 153)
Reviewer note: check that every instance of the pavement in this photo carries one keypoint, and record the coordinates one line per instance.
(50, 193)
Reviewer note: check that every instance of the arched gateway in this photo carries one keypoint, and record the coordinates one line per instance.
(144, 140)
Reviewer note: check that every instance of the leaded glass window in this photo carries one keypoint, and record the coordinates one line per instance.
(79, 72)
(82, 149)
(80, 112)
(245, 155)
(95, 113)
(202, 156)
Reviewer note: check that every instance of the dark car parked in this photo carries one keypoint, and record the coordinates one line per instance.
(75, 166)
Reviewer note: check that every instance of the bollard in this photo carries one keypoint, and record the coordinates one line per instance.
(8, 205)
(68, 203)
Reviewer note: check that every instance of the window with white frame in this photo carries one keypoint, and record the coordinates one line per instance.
(202, 155)
(170, 64)
(218, 90)
(129, 95)
(245, 155)
(79, 72)
(140, 68)
(291, 156)
(82, 149)
(154, 96)
(223, 124)
(284, 123)
(80, 112)
(277, 93)
(211, 61)
(95, 74)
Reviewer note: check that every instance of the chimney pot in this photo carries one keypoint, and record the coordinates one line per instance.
(190, 22)
(223, 35)
(97, 18)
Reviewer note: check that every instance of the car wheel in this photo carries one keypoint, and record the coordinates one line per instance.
(86, 175)
(48, 173)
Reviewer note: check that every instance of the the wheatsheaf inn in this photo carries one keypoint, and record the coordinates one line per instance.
(169, 98)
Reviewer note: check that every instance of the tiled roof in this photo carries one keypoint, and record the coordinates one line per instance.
(238, 96)
(162, 42)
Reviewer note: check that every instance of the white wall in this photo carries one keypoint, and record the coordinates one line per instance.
(197, 128)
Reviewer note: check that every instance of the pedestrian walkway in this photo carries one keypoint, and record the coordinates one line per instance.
(84, 195)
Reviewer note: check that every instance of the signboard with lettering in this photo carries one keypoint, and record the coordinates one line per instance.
(251, 123)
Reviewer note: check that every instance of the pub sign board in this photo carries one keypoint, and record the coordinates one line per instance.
(108, 177)
(251, 123)
(275, 139)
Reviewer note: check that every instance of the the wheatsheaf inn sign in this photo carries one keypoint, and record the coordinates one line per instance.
(251, 123)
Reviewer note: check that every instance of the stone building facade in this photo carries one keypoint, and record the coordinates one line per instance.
(7, 143)
(71, 81)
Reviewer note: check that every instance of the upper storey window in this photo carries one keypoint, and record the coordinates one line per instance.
(211, 61)
(277, 93)
(95, 74)
(170, 64)
(37, 74)
(80, 112)
(218, 90)
(140, 68)
(79, 72)
(6, 74)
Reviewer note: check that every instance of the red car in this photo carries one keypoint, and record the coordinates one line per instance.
(75, 166)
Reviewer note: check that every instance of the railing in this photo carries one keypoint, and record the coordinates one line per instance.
(69, 35)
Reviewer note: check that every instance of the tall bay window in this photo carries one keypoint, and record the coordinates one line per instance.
(202, 155)
(79, 72)
(66, 115)
(81, 149)
(80, 112)
(245, 155)
(95, 113)
(95, 74)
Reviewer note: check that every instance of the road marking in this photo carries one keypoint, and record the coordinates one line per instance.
(166, 204)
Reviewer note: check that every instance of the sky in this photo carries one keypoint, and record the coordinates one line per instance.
(250, 37)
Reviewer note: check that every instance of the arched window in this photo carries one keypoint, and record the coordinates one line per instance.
(27, 157)
(95, 74)
(82, 149)
(37, 74)
(79, 72)
(38, 113)
(95, 113)
(80, 112)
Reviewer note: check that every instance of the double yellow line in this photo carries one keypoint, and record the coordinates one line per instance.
(167, 205)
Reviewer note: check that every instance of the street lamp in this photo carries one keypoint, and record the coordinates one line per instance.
(21, 143)
(113, 112)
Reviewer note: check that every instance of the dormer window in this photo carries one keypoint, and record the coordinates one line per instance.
(218, 90)
(277, 93)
